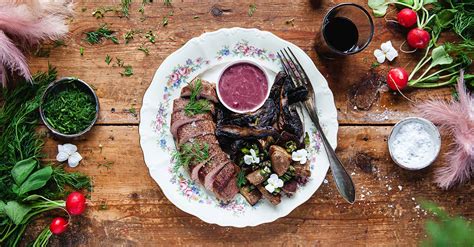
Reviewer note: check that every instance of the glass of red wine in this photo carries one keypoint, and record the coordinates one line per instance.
(347, 29)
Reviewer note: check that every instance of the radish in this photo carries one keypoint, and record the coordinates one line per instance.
(397, 79)
(407, 17)
(58, 225)
(418, 38)
(75, 203)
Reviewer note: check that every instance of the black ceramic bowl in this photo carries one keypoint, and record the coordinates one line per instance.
(59, 85)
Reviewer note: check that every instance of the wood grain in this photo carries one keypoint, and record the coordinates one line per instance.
(386, 212)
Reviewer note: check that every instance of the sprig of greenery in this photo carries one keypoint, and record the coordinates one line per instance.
(190, 153)
(445, 230)
(150, 36)
(194, 105)
(127, 71)
(108, 59)
(164, 22)
(125, 7)
(241, 179)
(100, 12)
(144, 49)
(95, 37)
(252, 9)
(167, 3)
(128, 36)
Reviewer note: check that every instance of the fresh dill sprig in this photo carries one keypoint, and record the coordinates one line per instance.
(100, 12)
(167, 3)
(150, 36)
(190, 153)
(119, 62)
(164, 22)
(144, 49)
(194, 105)
(252, 9)
(108, 59)
(129, 36)
(95, 37)
(125, 7)
(127, 71)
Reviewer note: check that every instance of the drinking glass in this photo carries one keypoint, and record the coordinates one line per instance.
(347, 29)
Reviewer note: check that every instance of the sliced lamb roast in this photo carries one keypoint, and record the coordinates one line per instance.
(178, 119)
(194, 129)
(180, 104)
(208, 90)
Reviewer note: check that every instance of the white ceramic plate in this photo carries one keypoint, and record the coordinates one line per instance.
(205, 56)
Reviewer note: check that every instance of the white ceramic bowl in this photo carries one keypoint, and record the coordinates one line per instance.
(429, 127)
(267, 76)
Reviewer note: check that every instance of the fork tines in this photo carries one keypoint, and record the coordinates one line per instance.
(293, 67)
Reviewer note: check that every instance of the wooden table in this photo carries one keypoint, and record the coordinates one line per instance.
(127, 206)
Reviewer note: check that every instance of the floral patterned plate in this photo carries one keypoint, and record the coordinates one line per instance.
(205, 56)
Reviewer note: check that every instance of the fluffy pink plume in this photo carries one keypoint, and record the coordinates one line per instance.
(457, 118)
(27, 22)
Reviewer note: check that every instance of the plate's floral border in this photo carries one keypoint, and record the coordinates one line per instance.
(180, 74)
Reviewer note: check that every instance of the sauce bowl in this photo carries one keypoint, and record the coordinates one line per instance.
(221, 97)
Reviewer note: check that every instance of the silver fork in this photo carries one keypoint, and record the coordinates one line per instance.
(293, 68)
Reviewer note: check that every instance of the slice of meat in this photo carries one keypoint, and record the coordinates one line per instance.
(194, 129)
(194, 170)
(252, 196)
(179, 119)
(180, 103)
(208, 172)
(208, 90)
(229, 192)
(223, 177)
(274, 199)
(281, 160)
(208, 139)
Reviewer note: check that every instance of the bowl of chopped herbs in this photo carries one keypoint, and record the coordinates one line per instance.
(69, 107)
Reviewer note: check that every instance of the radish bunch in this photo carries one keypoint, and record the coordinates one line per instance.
(417, 37)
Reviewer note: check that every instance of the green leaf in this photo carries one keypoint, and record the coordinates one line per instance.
(22, 170)
(379, 7)
(32, 198)
(2, 208)
(36, 180)
(16, 211)
(440, 57)
(445, 18)
(425, 2)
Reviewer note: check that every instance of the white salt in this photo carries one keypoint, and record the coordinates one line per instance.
(413, 146)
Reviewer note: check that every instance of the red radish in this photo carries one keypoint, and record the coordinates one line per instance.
(75, 203)
(58, 225)
(397, 79)
(418, 38)
(407, 17)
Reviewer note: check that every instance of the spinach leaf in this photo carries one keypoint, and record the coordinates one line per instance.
(379, 7)
(36, 180)
(440, 57)
(16, 211)
(23, 169)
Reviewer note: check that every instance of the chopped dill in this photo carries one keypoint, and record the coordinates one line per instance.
(81, 51)
(108, 59)
(95, 37)
(100, 12)
(127, 71)
(164, 23)
(125, 7)
(196, 106)
(167, 3)
(129, 36)
(190, 153)
(150, 36)
(144, 49)
(252, 9)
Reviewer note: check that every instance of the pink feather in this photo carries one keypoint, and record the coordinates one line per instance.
(12, 58)
(457, 118)
(28, 22)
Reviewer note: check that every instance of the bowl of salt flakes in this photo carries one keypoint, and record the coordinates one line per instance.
(414, 143)
(69, 107)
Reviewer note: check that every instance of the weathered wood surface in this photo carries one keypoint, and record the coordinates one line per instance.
(386, 211)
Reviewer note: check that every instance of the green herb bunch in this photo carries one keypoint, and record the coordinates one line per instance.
(69, 110)
(196, 106)
(190, 153)
(24, 181)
